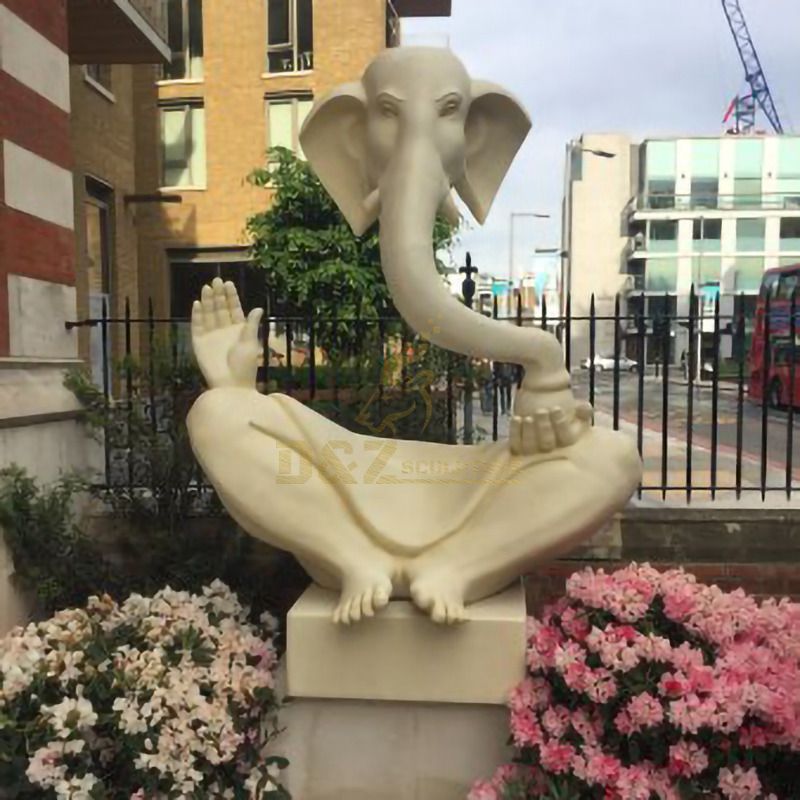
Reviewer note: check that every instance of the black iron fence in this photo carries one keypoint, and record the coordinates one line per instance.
(710, 400)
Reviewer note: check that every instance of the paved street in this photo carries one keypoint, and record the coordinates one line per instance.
(674, 467)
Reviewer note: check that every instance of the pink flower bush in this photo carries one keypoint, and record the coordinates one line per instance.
(649, 685)
(171, 696)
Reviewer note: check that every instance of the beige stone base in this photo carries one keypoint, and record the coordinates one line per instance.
(398, 707)
(402, 655)
(360, 750)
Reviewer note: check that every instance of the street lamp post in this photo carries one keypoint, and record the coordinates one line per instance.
(515, 215)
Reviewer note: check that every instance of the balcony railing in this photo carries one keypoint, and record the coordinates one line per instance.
(779, 201)
(118, 31)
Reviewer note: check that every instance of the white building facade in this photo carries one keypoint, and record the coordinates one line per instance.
(667, 214)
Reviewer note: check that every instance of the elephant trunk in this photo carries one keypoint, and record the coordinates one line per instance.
(410, 193)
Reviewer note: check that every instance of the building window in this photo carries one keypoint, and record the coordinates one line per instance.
(705, 173)
(663, 237)
(285, 117)
(707, 235)
(789, 171)
(290, 35)
(705, 270)
(185, 34)
(99, 74)
(749, 270)
(748, 168)
(790, 234)
(750, 235)
(189, 275)
(183, 140)
(98, 207)
(660, 174)
(661, 275)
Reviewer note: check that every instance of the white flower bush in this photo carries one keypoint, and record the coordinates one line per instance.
(160, 698)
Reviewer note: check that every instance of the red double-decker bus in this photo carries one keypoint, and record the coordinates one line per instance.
(778, 285)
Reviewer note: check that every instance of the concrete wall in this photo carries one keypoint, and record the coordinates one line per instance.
(41, 431)
(758, 551)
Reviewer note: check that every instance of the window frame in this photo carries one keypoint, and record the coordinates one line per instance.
(293, 98)
(96, 81)
(187, 77)
(761, 222)
(294, 43)
(784, 238)
(188, 105)
(100, 194)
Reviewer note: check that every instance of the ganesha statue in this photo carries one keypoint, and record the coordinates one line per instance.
(367, 517)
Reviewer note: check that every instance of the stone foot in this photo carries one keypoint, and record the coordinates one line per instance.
(439, 591)
(365, 590)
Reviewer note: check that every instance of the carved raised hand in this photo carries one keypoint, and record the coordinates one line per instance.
(225, 344)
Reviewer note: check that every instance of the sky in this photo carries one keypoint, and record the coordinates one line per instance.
(641, 67)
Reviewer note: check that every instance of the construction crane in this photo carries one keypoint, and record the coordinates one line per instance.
(744, 107)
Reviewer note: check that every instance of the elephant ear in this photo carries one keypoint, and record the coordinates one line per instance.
(334, 140)
(495, 128)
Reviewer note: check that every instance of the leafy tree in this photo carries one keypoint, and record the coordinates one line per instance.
(315, 266)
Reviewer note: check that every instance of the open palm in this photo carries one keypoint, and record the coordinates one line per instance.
(225, 344)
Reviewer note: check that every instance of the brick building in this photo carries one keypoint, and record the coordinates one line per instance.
(236, 86)
(67, 170)
(67, 167)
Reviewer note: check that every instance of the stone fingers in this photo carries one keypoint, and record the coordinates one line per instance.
(234, 304)
(198, 324)
(528, 436)
(585, 412)
(222, 313)
(545, 433)
(207, 303)
(250, 329)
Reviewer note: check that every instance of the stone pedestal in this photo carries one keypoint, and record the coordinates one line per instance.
(397, 707)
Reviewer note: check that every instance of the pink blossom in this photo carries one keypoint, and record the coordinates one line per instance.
(556, 757)
(687, 759)
(525, 728)
(673, 684)
(739, 784)
(556, 721)
(575, 624)
(483, 790)
(531, 693)
(642, 711)
(752, 736)
(634, 783)
(601, 769)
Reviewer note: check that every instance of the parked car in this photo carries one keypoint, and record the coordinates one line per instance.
(607, 363)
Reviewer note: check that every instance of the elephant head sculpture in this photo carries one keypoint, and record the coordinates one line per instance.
(417, 117)
(391, 147)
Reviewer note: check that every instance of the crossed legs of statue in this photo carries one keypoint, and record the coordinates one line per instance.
(565, 498)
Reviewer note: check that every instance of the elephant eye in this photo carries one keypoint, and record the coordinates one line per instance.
(388, 106)
(449, 105)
